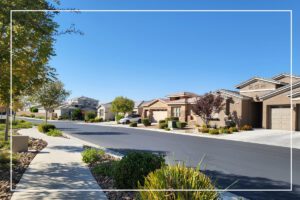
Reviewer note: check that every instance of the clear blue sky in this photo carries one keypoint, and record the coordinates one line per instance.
(149, 55)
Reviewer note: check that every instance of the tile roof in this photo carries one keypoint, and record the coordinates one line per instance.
(180, 94)
(280, 90)
(233, 93)
(251, 80)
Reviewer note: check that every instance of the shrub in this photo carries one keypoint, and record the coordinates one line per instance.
(233, 129)
(161, 121)
(54, 133)
(246, 128)
(34, 110)
(19, 124)
(172, 119)
(92, 155)
(163, 125)
(118, 117)
(223, 130)
(204, 130)
(181, 124)
(134, 167)
(44, 128)
(98, 119)
(2, 121)
(167, 129)
(178, 177)
(77, 114)
(106, 169)
(32, 115)
(146, 122)
(213, 131)
(64, 116)
(91, 120)
(89, 115)
(133, 124)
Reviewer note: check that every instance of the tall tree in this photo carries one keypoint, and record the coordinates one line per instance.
(122, 105)
(208, 104)
(32, 46)
(50, 96)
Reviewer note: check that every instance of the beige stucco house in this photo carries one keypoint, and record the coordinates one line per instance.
(260, 102)
(104, 112)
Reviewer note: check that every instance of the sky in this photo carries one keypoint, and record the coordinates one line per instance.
(147, 55)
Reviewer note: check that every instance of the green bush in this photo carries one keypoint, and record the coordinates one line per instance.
(89, 116)
(92, 155)
(134, 167)
(77, 114)
(167, 129)
(223, 130)
(234, 129)
(178, 177)
(106, 169)
(2, 121)
(34, 109)
(161, 121)
(54, 133)
(146, 122)
(172, 119)
(133, 124)
(64, 116)
(44, 128)
(163, 125)
(181, 124)
(98, 119)
(118, 117)
(246, 128)
(32, 115)
(19, 124)
(213, 131)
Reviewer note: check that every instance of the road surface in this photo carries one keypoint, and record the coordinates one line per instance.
(253, 166)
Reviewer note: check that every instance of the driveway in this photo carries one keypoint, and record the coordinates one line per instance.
(254, 166)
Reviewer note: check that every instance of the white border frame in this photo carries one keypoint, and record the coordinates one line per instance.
(189, 11)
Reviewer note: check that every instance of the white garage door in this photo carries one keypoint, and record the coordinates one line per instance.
(159, 115)
(281, 118)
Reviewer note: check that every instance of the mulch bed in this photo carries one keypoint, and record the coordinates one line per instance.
(106, 182)
(23, 161)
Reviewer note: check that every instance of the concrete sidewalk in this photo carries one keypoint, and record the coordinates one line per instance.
(57, 167)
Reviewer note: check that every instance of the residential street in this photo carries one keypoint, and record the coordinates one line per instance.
(254, 166)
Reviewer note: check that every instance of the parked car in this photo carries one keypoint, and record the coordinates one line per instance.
(131, 118)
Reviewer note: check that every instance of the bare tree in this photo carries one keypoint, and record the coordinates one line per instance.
(208, 104)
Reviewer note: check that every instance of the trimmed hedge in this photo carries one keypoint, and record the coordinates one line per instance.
(44, 128)
(163, 125)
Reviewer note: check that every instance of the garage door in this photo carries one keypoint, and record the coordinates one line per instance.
(159, 115)
(281, 118)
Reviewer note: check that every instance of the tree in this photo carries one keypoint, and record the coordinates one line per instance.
(122, 105)
(32, 44)
(50, 96)
(76, 114)
(206, 105)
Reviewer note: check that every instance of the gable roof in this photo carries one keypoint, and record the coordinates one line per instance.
(182, 94)
(254, 79)
(232, 93)
(148, 103)
(105, 105)
(280, 90)
(279, 76)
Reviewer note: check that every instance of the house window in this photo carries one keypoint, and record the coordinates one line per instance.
(176, 112)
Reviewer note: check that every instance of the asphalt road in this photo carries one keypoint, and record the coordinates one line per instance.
(253, 166)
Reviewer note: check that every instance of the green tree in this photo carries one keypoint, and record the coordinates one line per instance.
(32, 42)
(50, 96)
(77, 114)
(122, 105)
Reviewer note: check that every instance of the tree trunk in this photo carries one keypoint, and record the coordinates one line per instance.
(15, 116)
(46, 116)
(6, 124)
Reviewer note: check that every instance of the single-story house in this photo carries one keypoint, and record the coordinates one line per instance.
(104, 112)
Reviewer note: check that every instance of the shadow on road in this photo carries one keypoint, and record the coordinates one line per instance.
(245, 182)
